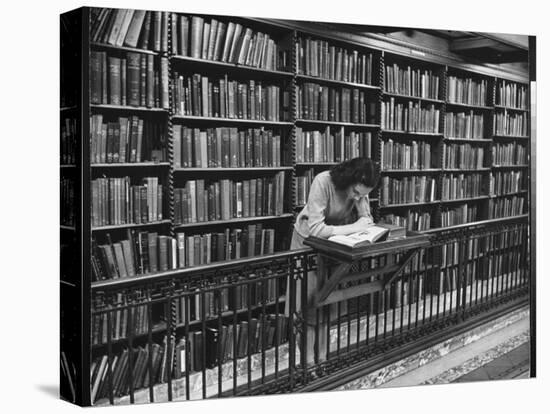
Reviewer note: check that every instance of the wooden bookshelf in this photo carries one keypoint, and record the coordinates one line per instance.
(127, 108)
(509, 108)
(465, 200)
(131, 225)
(130, 165)
(467, 170)
(467, 140)
(105, 46)
(468, 106)
(333, 82)
(237, 121)
(411, 171)
(510, 166)
(412, 98)
(405, 133)
(179, 226)
(231, 169)
(229, 67)
(334, 123)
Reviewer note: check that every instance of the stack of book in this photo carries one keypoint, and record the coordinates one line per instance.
(467, 91)
(464, 125)
(127, 140)
(303, 185)
(130, 28)
(502, 183)
(325, 103)
(511, 95)
(197, 95)
(509, 154)
(413, 82)
(463, 156)
(202, 200)
(461, 214)
(506, 207)
(136, 79)
(413, 221)
(116, 201)
(400, 156)
(331, 145)
(320, 59)
(67, 217)
(512, 124)
(411, 117)
(458, 186)
(228, 42)
(68, 141)
(414, 189)
(225, 147)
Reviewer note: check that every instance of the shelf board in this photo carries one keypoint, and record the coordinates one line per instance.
(67, 228)
(422, 134)
(232, 221)
(467, 169)
(416, 171)
(231, 169)
(67, 108)
(67, 166)
(469, 106)
(334, 123)
(475, 223)
(97, 45)
(415, 98)
(230, 120)
(128, 108)
(510, 137)
(130, 225)
(226, 65)
(130, 164)
(509, 108)
(511, 166)
(313, 164)
(509, 194)
(482, 140)
(409, 204)
(337, 82)
(463, 200)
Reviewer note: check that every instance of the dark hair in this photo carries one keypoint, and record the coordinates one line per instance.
(355, 171)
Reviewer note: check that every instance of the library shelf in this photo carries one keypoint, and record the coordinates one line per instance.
(412, 98)
(178, 226)
(229, 66)
(508, 194)
(130, 165)
(67, 108)
(65, 166)
(105, 46)
(128, 108)
(130, 225)
(522, 137)
(230, 120)
(231, 169)
(302, 121)
(415, 171)
(405, 133)
(510, 108)
(469, 106)
(314, 164)
(511, 166)
(337, 82)
(468, 170)
(465, 140)
(464, 200)
(67, 228)
(301, 206)
(422, 203)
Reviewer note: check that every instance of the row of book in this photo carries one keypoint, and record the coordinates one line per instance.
(331, 145)
(467, 91)
(67, 207)
(464, 125)
(198, 95)
(504, 182)
(401, 156)
(149, 252)
(506, 207)
(155, 363)
(128, 316)
(459, 186)
(461, 214)
(228, 42)
(132, 28)
(321, 59)
(412, 221)
(225, 147)
(302, 184)
(127, 140)
(117, 201)
(411, 117)
(414, 189)
(509, 154)
(69, 141)
(412, 82)
(325, 103)
(506, 123)
(136, 79)
(202, 201)
(511, 95)
(463, 156)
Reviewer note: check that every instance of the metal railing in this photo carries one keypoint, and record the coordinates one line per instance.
(239, 328)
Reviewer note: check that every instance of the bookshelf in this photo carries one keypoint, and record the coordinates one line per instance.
(322, 113)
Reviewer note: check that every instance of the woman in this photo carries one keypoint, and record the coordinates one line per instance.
(338, 202)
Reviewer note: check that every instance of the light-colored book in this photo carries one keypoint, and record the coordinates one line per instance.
(370, 235)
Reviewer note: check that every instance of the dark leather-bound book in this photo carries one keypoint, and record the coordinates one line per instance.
(133, 76)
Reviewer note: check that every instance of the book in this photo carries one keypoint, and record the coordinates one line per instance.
(371, 234)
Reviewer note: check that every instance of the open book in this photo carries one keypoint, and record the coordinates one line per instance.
(371, 234)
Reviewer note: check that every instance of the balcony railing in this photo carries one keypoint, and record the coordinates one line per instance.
(240, 328)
